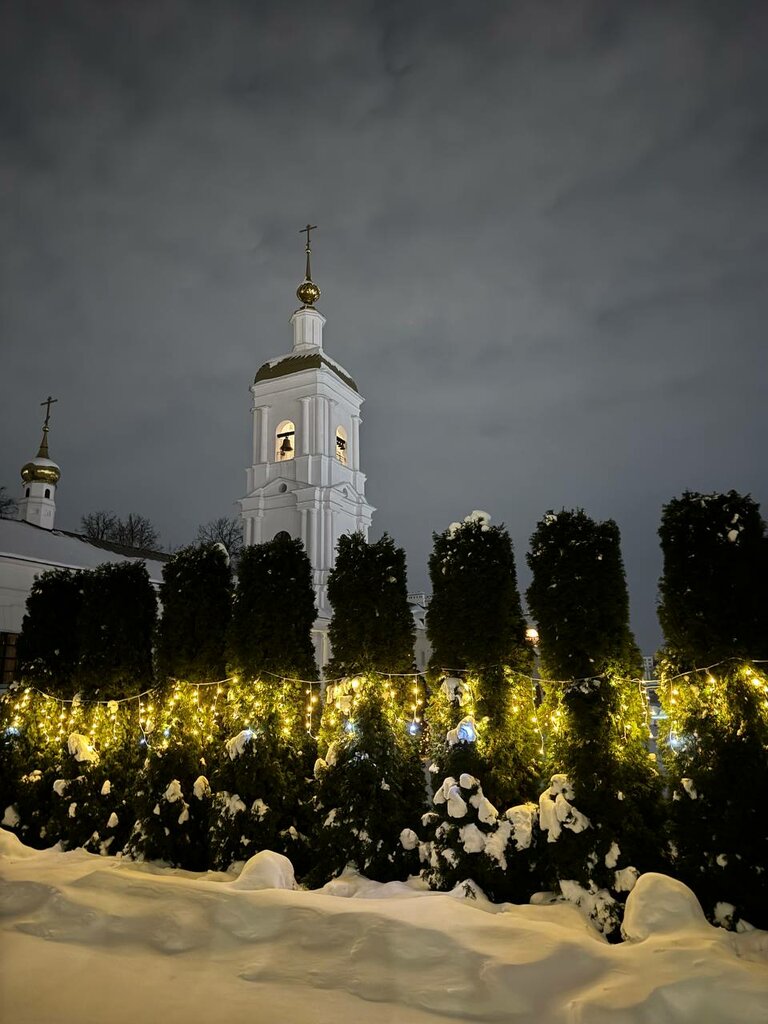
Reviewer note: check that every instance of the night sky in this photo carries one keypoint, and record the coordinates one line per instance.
(542, 246)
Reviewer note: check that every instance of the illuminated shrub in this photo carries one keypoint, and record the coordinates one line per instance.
(369, 781)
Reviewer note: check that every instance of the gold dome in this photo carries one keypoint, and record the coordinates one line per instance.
(42, 471)
(308, 293)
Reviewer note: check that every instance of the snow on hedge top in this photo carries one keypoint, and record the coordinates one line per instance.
(476, 516)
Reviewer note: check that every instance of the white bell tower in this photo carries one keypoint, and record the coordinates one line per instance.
(305, 477)
(37, 504)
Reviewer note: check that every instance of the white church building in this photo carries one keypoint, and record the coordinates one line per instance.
(305, 480)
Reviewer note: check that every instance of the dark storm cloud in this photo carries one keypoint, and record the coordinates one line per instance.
(542, 247)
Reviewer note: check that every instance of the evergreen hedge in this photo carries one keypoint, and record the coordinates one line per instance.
(372, 627)
(196, 598)
(713, 599)
(714, 612)
(273, 613)
(48, 647)
(578, 597)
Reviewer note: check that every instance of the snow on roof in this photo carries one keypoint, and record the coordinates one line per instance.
(59, 549)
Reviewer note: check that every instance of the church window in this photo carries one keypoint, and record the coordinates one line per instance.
(341, 445)
(282, 535)
(27, 493)
(285, 441)
(47, 492)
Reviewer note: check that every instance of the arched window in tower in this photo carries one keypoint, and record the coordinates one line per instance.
(47, 492)
(341, 445)
(285, 441)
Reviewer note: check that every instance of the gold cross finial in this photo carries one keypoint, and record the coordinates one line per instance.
(43, 452)
(305, 231)
(48, 403)
(308, 292)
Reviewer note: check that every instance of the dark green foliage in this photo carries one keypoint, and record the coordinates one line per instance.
(369, 785)
(196, 598)
(274, 612)
(716, 754)
(88, 795)
(27, 773)
(578, 597)
(48, 648)
(115, 630)
(475, 617)
(714, 602)
(599, 746)
(172, 816)
(261, 797)
(372, 628)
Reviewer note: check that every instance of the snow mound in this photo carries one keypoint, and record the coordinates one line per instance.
(266, 870)
(142, 935)
(659, 905)
(12, 848)
(350, 884)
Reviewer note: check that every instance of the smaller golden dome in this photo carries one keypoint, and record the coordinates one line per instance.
(308, 292)
(42, 471)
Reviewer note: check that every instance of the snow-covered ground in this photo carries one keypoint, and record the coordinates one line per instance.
(91, 939)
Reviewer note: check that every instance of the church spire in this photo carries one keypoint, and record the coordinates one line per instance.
(43, 451)
(308, 293)
(41, 469)
(40, 476)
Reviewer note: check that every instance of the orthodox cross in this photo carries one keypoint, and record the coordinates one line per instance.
(306, 230)
(48, 403)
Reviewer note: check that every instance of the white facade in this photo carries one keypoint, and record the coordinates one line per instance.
(305, 477)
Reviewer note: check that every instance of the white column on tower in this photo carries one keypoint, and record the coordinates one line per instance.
(263, 433)
(354, 462)
(305, 426)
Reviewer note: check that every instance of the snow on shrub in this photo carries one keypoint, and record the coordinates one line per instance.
(465, 837)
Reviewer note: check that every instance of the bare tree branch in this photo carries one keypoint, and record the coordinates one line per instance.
(223, 530)
(8, 507)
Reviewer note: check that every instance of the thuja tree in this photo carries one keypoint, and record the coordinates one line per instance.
(713, 599)
(481, 716)
(115, 630)
(578, 597)
(370, 778)
(273, 613)
(48, 646)
(370, 781)
(713, 614)
(601, 813)
(372, 627)
(196, 599)
(476, 627)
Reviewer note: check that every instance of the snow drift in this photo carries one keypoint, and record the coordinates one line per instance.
(87, 938)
